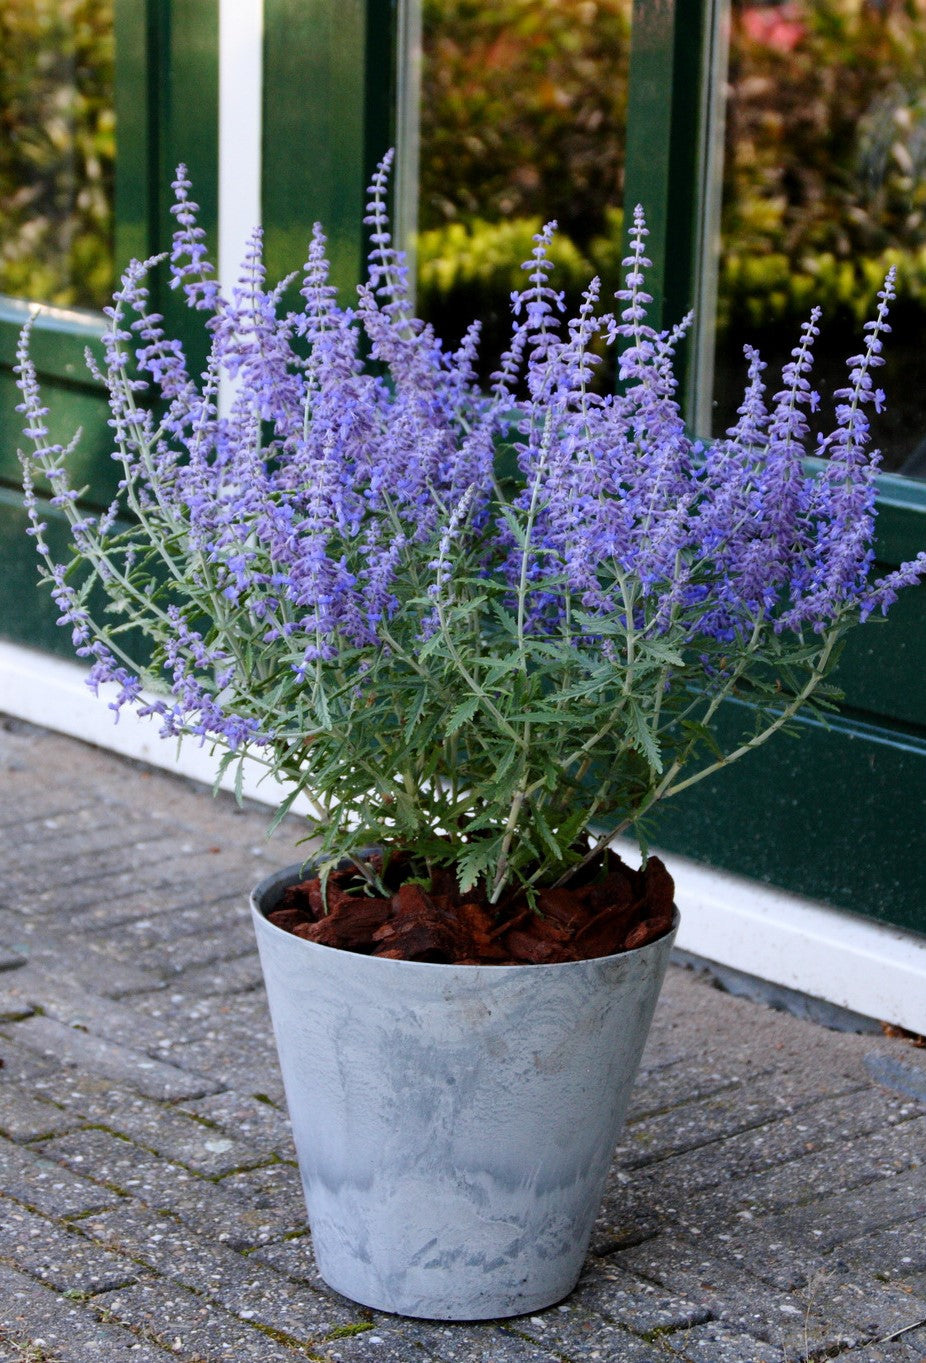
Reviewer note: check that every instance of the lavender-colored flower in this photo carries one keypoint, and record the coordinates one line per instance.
(332, 573)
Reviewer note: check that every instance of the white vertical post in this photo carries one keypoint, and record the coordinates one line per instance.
(241, 50)
(408, 130)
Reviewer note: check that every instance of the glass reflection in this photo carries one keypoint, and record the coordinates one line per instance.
(824, 189)
(57, 150)
(522, 119)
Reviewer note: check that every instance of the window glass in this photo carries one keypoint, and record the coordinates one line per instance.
(522, 120)
(57, 150)
(824, 188)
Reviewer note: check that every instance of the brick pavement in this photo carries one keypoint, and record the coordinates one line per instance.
(767, 1205)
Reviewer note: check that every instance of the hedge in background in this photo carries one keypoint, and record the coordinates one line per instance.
(57, 151)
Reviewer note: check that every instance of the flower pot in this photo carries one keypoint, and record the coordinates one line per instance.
(453, 1124)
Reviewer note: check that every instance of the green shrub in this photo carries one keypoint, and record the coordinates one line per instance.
(57, 151)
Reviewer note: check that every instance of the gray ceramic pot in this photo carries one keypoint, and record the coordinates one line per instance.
(453, 1124)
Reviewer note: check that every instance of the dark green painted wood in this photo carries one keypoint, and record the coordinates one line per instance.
(27, 612)
(665, 170)
(59, 338)
(881, 670)
(28, 615)
(167, 92)
(902, 518)
(327, 119)
(836, 814)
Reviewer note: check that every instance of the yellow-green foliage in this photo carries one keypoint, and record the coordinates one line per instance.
(489, 254)
(57, 150)
(825, 159)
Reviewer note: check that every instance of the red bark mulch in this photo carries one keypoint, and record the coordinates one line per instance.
(614, 908)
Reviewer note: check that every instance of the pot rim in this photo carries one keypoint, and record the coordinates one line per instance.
(291, 875)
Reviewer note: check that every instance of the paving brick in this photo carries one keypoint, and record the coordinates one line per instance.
(906, 1076)
(607, 1290)
(292, 1257)
(275, 1189)
(186, 915)
(663, 1090)
(60, 1257)
(159, 875)
(889, 1252)
(66, 1331)
(44, 1185)
(161, 1128)
(237, 976)
(21, 1065)
(872, 1308)
(9, 959)
(910, 1348)
(829, 1221)
(181, 1139)
(73, 957)
(816, 1174)
(247, 1064)
(708, 1276)
(38, 990)
(824, 1125)
(188, 1326)
(109, 920)
(261, 1125)
(70, 1046)
(721, 1115)
(221, 1022)
(211, 1209)
(578, 1330)
(749, 1132)
(23, 1118)
(393, 1341)
(191, 951)
(12, 1005)
(380, 1345)
(85, 848)
(244, 1286)
(715, 1344)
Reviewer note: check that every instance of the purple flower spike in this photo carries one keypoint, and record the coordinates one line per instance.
(475, 654)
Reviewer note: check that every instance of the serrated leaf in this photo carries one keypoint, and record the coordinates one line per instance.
(502, 667)
(415, 716)
(462, 715)
(641, 735)
(474, 863)
(701, 733)
(225, 762)
(516, 528)
(283, 809)
(506, 618)
(546, 832)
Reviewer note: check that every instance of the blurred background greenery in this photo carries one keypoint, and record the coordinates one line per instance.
(523, 117)
(57, 150)
(523, 114)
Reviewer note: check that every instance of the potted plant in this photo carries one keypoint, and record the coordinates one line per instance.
(483, 632)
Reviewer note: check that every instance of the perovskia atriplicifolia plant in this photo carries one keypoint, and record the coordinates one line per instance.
(494, 663)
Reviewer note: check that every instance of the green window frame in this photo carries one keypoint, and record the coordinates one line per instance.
(166, 67)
